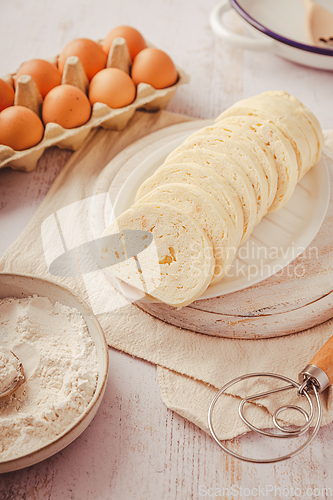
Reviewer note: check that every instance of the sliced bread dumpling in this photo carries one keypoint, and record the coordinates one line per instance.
(242, 156)
(206, 179)
(313, 121)
(232, 173)
(177, 266)
(262, 107)
(208, 213)
(281, 149)
(255, 145)
(288, 108)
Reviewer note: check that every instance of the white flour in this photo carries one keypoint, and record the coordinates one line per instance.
(60, 362)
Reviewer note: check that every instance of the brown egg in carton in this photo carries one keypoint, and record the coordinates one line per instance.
(27, 94)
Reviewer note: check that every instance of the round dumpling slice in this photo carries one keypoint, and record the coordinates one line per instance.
(208, 213)
(257, 147)
(315, 129)
(242, 156)
(227, 168)
(264, 108)
(177, 266)
(211, 182)
(281, 149)
(286, 108)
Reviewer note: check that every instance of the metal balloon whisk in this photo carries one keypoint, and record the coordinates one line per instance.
(313, 380)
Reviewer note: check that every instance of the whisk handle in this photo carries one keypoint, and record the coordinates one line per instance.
(324, 359)
(320, 368)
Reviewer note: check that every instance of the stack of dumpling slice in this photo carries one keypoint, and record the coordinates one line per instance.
(211, 191)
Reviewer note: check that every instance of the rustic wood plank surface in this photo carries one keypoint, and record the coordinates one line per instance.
(136, 448)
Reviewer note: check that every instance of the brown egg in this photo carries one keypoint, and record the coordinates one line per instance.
(66, 105)
(20, 128)
(113, 87)
(45, 75)
(90, 53)
(134, 39)
(7, 95)
(155, 67)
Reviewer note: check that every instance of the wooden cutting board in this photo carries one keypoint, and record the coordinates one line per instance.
(299, 297)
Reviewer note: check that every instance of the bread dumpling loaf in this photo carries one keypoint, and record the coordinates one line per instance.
(213, 189)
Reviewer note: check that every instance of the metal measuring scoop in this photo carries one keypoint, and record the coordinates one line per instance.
(314, 379)
(318, 23)
(18, 380)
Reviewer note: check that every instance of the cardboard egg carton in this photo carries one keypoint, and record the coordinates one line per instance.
(27, 94)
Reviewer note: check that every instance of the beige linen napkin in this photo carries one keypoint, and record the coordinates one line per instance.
(191, 367)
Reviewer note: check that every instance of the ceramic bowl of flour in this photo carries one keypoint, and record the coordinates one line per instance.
(83, 357)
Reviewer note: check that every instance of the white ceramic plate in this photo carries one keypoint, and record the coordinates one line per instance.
(274, 26)
(15, 285)
(275, 242)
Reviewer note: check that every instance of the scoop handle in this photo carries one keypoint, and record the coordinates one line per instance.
(320, 368)
(324, 359)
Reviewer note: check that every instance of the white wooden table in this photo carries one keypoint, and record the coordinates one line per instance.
(136, 448)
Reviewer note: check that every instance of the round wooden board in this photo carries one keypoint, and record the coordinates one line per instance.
(298, 297)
